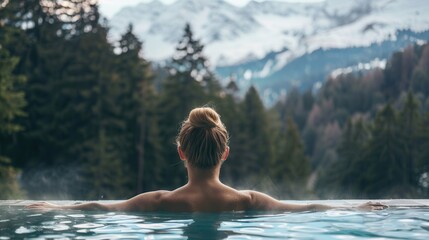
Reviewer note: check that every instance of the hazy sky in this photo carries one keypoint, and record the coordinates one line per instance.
(110, 7)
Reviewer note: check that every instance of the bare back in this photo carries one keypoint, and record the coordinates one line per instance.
(216, 198)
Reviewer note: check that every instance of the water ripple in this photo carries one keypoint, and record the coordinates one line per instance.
(23, 230)
(88, 225)
(401, 223)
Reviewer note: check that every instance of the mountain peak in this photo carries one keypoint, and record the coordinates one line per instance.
(262, 27)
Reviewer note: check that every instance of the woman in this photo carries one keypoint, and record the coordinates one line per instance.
(202, 144)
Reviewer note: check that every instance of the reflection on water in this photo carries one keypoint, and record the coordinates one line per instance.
(210, 224)
(16, 222)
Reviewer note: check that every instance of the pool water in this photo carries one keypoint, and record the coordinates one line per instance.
(403, 220)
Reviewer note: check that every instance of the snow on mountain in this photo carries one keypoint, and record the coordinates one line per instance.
(373, 21)
(161, 26)
(232, 34)
(270, 42)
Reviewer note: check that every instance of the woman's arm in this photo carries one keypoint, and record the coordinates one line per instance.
(83, 206)
(143, 202)
(264, 202)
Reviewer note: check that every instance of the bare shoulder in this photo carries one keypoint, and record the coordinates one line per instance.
(244, 198)
(264, 202)
(148, 201)
(151, 200)
(255, 194)
(245, 195)
(260, 201)
(153, 195)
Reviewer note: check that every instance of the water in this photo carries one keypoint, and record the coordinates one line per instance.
(404, 220)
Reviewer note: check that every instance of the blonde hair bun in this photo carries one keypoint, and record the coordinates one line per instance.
(203, 138)
(204, 117)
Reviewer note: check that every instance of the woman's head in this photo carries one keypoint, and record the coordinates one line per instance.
(203, 138)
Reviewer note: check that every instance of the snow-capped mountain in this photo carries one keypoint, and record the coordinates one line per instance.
(262, 40)
(161, 26)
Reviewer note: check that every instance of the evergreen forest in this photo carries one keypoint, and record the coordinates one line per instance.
(85, 117)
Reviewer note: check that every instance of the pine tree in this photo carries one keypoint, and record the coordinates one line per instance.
(385, 159)
(137, 100)
(258, 152)
(12, 102)
(189, 65)
(189, 85)
(87, 118)
(409, 124)
(291, 167)
(420, 75)
(392, 76)
(34, 39)
(232, 88)
(420, 81)
(341, 178)
(422, 156)
(233, 117)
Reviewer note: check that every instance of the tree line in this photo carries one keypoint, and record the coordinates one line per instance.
(367, 132)
(82, 117)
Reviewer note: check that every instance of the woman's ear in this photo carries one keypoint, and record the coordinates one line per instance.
(225, 154)
(181, 154)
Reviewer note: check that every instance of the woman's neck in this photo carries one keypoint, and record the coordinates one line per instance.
(198, 176)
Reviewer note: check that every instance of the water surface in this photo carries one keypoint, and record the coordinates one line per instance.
(402, 221)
